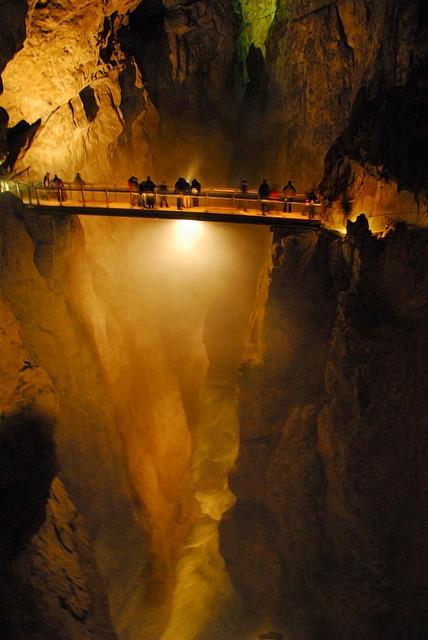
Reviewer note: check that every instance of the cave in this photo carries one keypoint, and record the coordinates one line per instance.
(213, 428)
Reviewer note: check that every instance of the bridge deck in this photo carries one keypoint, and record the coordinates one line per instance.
(215, 205)
(201, 214)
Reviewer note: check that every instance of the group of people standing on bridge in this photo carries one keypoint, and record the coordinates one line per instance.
(289, 195)
(144, 193)
(57, 183)
(149, 195)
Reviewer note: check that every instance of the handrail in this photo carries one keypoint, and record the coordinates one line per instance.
(228, 199)
(211, 191)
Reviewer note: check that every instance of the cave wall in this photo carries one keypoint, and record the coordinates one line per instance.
(337, 76)
(345, 79)
(36, 258)
(377, 164)
(125, 88)
(186, 56)
(327, 536)
(52, 589)
(49, 584)
(61, 78)
(12, 35)
(319, 54)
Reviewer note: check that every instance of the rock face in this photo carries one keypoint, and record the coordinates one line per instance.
(53, 589)
(334, 362)
(328, 533)
(348, 74)
(33, 278)
(61, 78)
(49, 585)
(122, 71)
(28, 411)
(12, 35)
(186, 56)
(12, 30)
(377, 163)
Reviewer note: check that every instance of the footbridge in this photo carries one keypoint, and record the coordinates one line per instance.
(216, 204)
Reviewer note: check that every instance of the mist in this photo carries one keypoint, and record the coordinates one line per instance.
(168, 305)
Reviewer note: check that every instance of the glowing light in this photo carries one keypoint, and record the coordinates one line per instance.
(187, 234)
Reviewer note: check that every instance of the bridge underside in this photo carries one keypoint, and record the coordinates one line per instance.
(292, 221)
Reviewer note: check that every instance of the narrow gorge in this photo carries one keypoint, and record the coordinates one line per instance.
(209, 430)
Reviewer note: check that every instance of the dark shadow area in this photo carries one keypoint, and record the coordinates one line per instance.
(90, 105)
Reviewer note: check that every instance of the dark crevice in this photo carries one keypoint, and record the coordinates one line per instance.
(341, 29)
(314, 11)
(89, 101)
(389, 131)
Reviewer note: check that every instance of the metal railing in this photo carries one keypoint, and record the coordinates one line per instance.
(214, 199)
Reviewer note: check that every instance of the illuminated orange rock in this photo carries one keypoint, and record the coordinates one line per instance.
(62, 76)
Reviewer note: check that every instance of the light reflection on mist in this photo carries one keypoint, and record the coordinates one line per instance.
(187, 234)
(178, 295)
(181, 250)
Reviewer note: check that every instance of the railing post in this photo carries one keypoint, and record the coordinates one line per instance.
(107, 203)
(83, 198)
(37, 197)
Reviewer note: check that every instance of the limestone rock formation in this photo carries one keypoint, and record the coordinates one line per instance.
(12, 35)
(61, 77)
(351, 76)
(12, 30)
(142, 336)
(53, 589)
(328, 533)
(186, 54)
(142, 343)
(377, 163)
(36, 270)
(93, 75)
(49, 584)
(28, 411)
(278, 480)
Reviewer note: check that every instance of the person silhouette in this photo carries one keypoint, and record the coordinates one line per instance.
(289, 192)
(264, 191)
